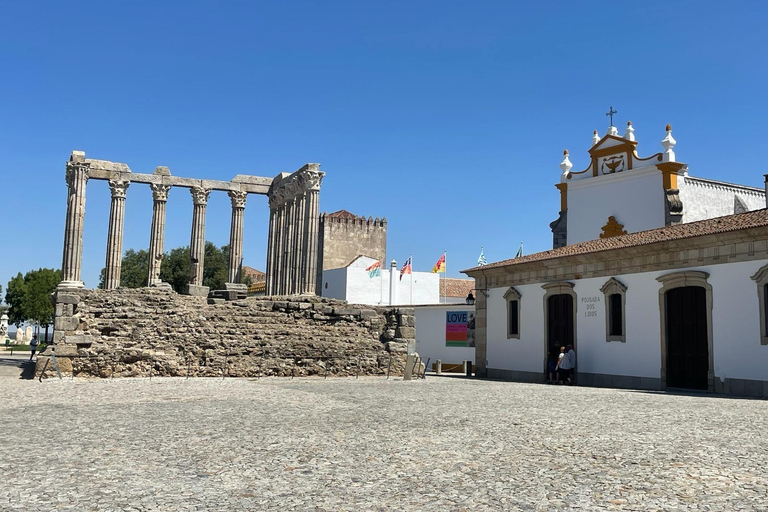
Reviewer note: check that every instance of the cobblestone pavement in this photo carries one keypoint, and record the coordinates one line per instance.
(343, 444)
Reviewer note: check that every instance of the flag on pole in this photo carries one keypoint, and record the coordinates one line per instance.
(481, 259)
(374, 270)
(406, 268)
(519, 251)
(440, 265)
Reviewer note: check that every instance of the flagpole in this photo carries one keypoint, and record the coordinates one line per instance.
(411, 258)
(381, 284)
(445, 275)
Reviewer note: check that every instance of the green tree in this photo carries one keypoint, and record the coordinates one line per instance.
(40, 284)
(134, 270)
(175, 268)
(14, 297)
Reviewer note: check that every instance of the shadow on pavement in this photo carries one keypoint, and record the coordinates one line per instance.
(17, 367)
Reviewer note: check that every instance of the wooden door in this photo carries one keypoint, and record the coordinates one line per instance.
(687, 338)
(560, 320)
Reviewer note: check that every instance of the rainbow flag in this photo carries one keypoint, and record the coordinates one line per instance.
(406, 268)
(440, 265)
(374, 270)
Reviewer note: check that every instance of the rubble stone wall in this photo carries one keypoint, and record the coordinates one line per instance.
(147, 331)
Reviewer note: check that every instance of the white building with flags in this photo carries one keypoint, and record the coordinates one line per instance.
(659, 280)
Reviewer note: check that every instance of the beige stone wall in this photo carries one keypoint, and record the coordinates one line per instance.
(143, 332)
(344, 239)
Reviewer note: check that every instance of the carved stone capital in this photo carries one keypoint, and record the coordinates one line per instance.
(160, 192)
(238, 198)
(199, 195)
(118, 188)
(74, 169)
(312, 179)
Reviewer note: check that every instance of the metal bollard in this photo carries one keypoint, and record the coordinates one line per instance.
(468, 368)
(438, 367)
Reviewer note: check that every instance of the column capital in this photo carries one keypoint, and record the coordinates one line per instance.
(73, 168)
(118, 188)
(311, 179)
(159, 192)
(238, 198)
(199, 195)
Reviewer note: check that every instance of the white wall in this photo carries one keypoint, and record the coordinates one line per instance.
(705, 199)
(430, 334)
(735, 319)
(353, 284)
(334, 283)
(635, 198)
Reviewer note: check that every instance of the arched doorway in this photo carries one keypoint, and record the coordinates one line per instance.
(687, 350)
(559, 319)
(685, 306)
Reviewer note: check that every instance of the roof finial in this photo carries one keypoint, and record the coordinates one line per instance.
(566, 166)
(668, 143)
(612, 129)
(595, 137)
(629, 134)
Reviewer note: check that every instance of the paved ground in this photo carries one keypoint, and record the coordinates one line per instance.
(16, 365)
(343, 444)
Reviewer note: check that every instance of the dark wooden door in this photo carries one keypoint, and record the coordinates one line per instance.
(687, 344)
(560, 320)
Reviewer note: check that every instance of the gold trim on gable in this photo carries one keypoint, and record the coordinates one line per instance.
(563, 188)
(669, 172)
(612, 228)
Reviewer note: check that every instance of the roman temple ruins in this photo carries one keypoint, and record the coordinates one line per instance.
(292, 248)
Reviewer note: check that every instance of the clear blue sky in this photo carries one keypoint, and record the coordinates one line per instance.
(447, 118)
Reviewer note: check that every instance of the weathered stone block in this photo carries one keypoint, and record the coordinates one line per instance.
(66, 323)
(64, 310)
(408, 320)
(67, 298)
(64, 349)
(346, 311)
(405, 332)
(197, 290)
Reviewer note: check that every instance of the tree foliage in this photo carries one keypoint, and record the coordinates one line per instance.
(28, 297)
(175, 268)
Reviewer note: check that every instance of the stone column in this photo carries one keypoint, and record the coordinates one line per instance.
(197, 242)
(115, 236)
(278, 249)
(299, 270)
(72, 259)
(271, 246)
(236, 242)
(313, 178)
(157, 234)
(285, 272)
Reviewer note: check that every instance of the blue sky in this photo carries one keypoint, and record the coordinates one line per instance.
(447, 118)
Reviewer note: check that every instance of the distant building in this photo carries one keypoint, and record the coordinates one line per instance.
(659, 280)
(344, 236)
(258, 279)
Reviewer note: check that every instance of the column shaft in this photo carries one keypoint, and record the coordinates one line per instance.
(115, 235)
(270, 250)
(236, 236)
(157, 233)
(72, 257)
(313, 223)
(197, 238)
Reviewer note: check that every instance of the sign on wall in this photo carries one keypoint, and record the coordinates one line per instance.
(460, 329)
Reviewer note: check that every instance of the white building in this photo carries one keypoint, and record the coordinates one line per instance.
(354, 284)
(648, 298)
(445, 332)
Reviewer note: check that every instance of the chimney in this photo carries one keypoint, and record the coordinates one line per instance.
(765, 177)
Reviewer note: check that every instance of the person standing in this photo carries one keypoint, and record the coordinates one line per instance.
(33, 346)
(572, 360)
(564, 365)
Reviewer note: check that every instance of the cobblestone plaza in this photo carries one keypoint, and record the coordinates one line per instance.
(374, 444)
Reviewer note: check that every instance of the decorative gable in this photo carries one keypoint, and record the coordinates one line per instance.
(612, 228)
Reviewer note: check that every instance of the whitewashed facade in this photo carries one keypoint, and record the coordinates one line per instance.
(431, 342)
(354, 284)
(661, 283)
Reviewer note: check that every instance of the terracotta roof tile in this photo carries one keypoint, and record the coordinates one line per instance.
(342, 214)
(453, 287)
(255, 275)
(739, 221)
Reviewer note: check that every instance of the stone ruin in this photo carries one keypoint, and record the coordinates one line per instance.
(155, 331)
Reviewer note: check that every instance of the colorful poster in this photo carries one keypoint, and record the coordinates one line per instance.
(456, 328)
